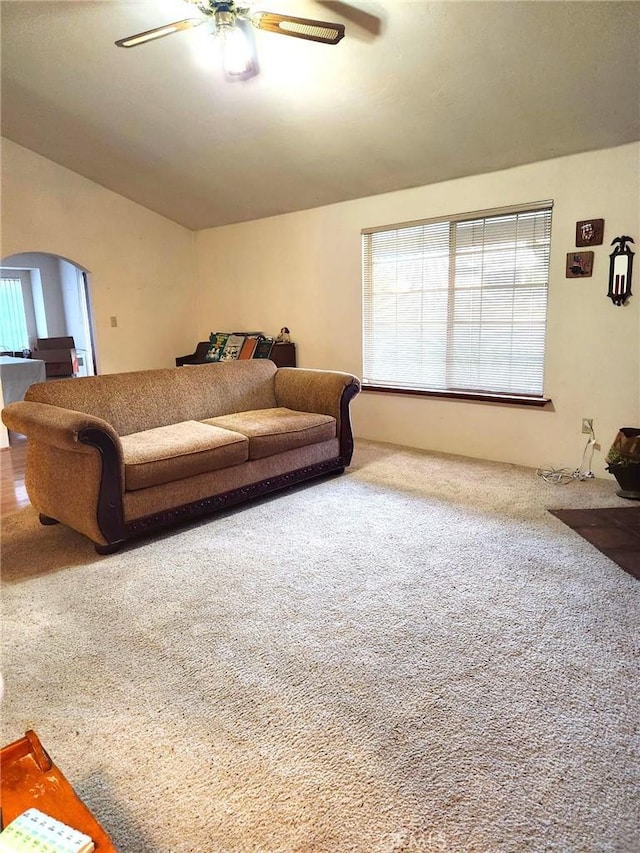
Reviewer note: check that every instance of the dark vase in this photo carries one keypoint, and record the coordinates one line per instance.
(628, 477)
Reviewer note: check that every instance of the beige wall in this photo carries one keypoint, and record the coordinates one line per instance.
(141, 265)
(303, 270)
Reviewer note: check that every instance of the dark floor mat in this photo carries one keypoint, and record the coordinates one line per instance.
(615, 532)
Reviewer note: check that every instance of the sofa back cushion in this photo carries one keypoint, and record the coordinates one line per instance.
(147, 399)
(228, 386)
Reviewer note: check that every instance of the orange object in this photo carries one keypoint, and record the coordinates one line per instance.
(30, 779)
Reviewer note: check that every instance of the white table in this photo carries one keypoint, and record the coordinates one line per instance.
(17, 374)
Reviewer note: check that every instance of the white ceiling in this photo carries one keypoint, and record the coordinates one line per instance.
(443, 90)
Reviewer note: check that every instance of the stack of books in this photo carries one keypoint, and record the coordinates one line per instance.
(227, 346)
(34, 830)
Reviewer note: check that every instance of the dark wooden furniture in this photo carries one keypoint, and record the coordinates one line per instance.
(283, 355)
(197, 357)
(30, 779)
(59, 356)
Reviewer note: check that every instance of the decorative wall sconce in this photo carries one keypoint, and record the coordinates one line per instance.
(620, 266)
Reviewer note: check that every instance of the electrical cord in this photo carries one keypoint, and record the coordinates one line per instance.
(557, 476)
(564, 476)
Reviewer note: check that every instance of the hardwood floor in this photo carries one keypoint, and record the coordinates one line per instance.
(13, 495)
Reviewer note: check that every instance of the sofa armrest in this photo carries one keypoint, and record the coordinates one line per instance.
(306, 390)
(54, 425)
(75, 468)
(327, 392)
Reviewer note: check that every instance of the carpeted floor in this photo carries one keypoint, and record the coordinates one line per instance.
(415, 656)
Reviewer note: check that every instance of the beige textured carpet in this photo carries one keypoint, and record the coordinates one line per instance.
(414, 656)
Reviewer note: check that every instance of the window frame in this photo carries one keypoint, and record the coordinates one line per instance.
(522, 399)
(17, 315)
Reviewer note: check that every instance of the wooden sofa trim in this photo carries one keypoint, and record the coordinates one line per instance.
(110, 515)
(216, 503)
(346, 432)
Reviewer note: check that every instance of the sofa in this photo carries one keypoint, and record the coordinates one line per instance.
(124, 454)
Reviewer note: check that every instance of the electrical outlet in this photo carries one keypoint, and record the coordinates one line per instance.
(587, 426)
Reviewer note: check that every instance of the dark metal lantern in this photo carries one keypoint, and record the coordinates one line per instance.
(620, 266)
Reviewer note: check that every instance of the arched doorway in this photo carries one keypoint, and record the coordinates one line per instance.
(46, 296)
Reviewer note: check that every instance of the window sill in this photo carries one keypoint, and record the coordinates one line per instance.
(474, 396)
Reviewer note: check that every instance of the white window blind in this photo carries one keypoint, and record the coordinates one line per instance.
(13, 322)
(458, 304)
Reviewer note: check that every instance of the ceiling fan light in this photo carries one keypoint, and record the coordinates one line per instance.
(237, 54)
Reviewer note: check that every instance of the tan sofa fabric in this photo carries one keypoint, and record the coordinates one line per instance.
(190, 393)
(61, 470)
(181, 450)
(307, 390)
(64, 485)
(121, 399)
(226, 387)
(53, 424)
(272, 431)
(166, 497)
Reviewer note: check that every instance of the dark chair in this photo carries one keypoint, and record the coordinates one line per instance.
(59, 356)
(197, 357)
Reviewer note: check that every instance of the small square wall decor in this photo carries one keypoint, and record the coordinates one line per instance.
(590, 232)
(579, 264)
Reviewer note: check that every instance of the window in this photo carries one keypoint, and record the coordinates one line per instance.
(13, 323)
(458, 306)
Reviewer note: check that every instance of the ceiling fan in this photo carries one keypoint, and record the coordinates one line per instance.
(232, 25)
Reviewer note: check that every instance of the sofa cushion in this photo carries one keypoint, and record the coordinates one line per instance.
(169, 453)
(276, 430)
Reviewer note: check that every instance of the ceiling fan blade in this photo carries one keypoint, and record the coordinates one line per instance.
(159, 32)
(370, 25)
(302, 28)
